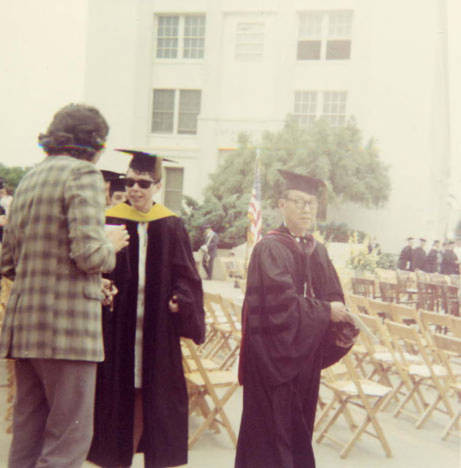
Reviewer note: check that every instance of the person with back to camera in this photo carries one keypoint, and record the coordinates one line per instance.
(55, 249)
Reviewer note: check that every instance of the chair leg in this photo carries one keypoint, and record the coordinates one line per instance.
(453, 422)
(342, 404)
(369, 419)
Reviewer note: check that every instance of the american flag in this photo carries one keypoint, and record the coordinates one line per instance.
(254, 210)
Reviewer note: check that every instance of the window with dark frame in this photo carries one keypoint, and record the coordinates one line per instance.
(325, 35)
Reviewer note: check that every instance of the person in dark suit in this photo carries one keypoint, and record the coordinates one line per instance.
(432, 264)
(405, 258)
(210, 248)
(419, 256)
(450, 262)
(55, 249)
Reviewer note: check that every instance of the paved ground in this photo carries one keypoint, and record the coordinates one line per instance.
(411, 448)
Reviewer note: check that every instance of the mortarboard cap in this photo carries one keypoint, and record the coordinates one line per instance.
(422, 239)
(110, 175)
(304, 183)
(145, 162)
(117, 185)
(410, 238)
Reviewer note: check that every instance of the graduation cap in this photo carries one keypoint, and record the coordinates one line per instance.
(117, 185)
(422, 239)
(410, 238)
(109, 176)
(145, 162)
(303, 183)
(307, 184)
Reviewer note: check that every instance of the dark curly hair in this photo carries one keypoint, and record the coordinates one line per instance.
(77, 130)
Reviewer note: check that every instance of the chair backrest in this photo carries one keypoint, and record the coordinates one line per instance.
(213, 307)
(407, 340)
(379, 308)
(430, 319)
(363, 287)
(231, 312)
(451, 344)
(390, 292)
(403, 314)
(357, 303)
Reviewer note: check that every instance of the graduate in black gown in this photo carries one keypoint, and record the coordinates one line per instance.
(450, 261)
(293, 305)
(141, 398)
(418, 260)
(406, 256)
(432, 260)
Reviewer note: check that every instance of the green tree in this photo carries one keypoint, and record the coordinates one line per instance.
(351, 169)
(12, 175)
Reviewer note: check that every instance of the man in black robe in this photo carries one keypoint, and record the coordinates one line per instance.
(141, 397)
(419, 256)
(292, 304)
(433, 258)
(405, 257)
(450, 262)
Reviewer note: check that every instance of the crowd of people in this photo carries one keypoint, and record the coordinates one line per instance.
(443, 258)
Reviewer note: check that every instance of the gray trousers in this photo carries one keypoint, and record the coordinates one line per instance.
(53, 413)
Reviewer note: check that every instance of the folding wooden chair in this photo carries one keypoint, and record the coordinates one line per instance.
(389, 291)
(357, 303)
(448, 346)
(450, 299)
(364, 287)
(433, 322)
(209, 391)
(383, 361)
(403, 314)
(379, 308)
(363, 394)
(224, 339)
(428, 373)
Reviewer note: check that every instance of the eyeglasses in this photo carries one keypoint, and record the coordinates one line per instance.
(301, 204)
(142, 183)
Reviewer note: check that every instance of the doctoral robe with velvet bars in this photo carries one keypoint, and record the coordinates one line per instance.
(286, 343)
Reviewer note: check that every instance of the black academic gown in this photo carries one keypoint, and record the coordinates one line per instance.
(405, 259)
(286, 343)
(170, 269)
(418, 261)
(449, 264)
(431, 265)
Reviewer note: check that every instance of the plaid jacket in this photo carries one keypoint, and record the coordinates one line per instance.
(54, 248)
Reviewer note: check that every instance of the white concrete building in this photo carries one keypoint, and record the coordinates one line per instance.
(184, 77)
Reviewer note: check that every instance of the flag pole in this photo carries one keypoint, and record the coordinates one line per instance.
(254, 211)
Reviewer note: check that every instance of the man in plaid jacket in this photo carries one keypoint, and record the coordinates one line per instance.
(55, 249)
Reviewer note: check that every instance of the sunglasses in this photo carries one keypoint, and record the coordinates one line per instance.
(143, 183)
